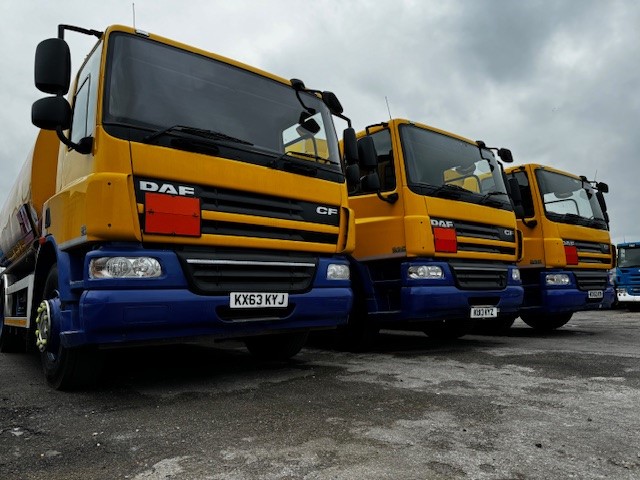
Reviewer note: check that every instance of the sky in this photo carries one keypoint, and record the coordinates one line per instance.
(556, 81)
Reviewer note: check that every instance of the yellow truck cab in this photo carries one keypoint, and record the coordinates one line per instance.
(436, 233)
(567, 247)
(176, 193)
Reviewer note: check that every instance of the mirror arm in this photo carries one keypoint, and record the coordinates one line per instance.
(390, 199)
(84, 147)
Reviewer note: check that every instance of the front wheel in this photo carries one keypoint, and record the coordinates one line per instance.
(546, 323)
(448, 329)
(64, 368)
(276, 347)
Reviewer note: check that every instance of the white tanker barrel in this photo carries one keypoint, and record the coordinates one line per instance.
(21, 214)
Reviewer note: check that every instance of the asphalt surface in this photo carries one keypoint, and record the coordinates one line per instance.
(520, 406)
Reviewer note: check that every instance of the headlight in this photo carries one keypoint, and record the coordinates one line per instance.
(337, 271)
(515, 274)
(425, 271)
(557, 279)
(124, 267)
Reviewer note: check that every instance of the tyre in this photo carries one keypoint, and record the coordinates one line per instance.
(495, 326)
(64, 368)
(276, 347)
(12, 339)
(448, 329)
(545, 323)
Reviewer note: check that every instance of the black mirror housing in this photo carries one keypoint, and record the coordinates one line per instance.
(352, 174)
(367, 156)
(505, 155)
(51, 113)
(332, 102)
(514, 191)
(350, 146)
(603, 187)
(52, 73)
(370, 182)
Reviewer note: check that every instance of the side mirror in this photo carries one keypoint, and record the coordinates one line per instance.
(505, 155)
(332, 102)
(352, 174)
(518, 210)
(603, 187)
(350, 146)
(370, 182)
(514, 191)
(52, 73)
(601, 201)
(51, 113)
(367, 155)
(308, 128)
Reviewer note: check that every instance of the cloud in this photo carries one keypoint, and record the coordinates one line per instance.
(557, 82)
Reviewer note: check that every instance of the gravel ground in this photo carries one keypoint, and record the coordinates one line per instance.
(520, 406)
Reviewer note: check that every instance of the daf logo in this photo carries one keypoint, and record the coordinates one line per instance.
(183, 190)
(326, 211)
(441, 223)
(569, 243)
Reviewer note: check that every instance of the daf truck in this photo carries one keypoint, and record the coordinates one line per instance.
(173, 193)
(567, 246)
(437, 240)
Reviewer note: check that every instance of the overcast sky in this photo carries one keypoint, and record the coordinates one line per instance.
(557, 82)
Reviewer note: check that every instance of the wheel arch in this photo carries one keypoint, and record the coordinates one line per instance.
(48, 255)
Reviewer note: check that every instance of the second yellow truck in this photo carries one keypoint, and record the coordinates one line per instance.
(436, 234)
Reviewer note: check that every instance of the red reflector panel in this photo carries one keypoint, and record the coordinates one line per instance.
(571, 252)
(446, 240)
(171, 215)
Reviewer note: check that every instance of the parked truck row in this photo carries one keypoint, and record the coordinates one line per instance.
(173, 193)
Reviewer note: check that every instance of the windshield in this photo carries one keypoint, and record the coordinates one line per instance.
(570, 200)
(439, 165)
(152, 88)
(629, 256)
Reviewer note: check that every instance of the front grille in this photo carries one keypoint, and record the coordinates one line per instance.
(481, 230)
(472, 230)
(592, 252)
(221, 272)
(591, 247)
(322, 220)
(633, 276)
(248, 230)
(480, 276)
(592, 280)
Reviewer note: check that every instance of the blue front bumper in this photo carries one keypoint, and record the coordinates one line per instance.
(444, 299)
(153, 310)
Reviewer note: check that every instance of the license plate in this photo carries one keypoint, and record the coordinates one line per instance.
(258, 300)
(595, 294)
(484, 312)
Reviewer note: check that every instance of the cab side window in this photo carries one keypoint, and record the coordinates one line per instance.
(86, 98)
(385, 168)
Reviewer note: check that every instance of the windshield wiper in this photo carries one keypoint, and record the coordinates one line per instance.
(198, 132)
(286, 162)
(487, 197)
(450, 188)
